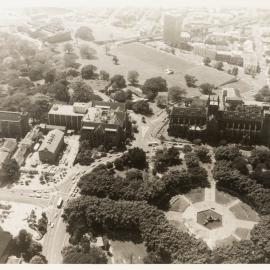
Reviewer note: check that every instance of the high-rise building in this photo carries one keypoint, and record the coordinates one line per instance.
(172, 28)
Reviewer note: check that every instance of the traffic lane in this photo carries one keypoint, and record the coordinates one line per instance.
(8, 196)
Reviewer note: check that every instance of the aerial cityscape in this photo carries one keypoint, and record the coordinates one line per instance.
(134, 135)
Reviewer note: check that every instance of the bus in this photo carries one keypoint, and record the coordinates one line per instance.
(60, 202)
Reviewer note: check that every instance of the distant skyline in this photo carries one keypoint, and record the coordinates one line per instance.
(137, 3)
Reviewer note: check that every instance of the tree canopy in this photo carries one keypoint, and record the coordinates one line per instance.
(85, 33)
(82, 91)
(152, 86)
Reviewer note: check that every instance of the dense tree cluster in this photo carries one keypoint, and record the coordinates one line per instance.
(176, 94)
(133, 77)
(190, 80)
(141, 186)
(59, 90)
(118, 82)
(10, 172)
(219, 65)
(82, 92)
(152, 86)
(229, 152)
(141, 107)
(202, 153)
(106, 216)
(102, 182)
(192, 160)
(83, 253)
(165, 158)
(260, 161)
(88, 72)
(85, 33)
(133, 158)
(87, 52)
(25, 245)
(104, 75)
(263, 94)
(206, 61)
(233, 181)
(38, 259)
(207, 88)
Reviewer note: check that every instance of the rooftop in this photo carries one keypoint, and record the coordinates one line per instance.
(190, 111)
(52, 141)
(103, 114)
(4, 156)
(5, 238)
(9, 145)
(60, 109)
(10, 116)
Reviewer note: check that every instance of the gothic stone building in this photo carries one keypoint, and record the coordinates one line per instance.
(246, 124)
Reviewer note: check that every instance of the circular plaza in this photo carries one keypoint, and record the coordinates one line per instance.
(213, 216)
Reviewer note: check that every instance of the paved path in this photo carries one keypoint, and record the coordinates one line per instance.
(230, 223)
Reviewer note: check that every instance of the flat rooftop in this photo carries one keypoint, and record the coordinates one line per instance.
(60, 109)
(10, 116)
(103, 115)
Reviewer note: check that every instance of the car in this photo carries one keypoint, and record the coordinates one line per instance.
(52, 225)
(56, 215)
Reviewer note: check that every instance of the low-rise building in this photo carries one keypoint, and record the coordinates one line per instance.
(5, 245)
(51, 146)
(101, 122)
(66, 115)
(6, 151)
(105, 123)
(13, 124)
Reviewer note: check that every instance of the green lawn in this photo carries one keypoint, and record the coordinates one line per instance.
(128, 252)
(196, 195)
(150, 62)
(224, 198)
(227, 241)
(179, 205)
(243, 233)
(244, 212)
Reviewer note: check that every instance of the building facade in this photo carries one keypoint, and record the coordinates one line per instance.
(13, 124)
(105, 123)
(5, 245)
(51, 146)
(172, 28)
(244, 124)
(66, 115)
(100, 122)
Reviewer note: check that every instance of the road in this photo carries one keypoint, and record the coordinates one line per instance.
(57, 237)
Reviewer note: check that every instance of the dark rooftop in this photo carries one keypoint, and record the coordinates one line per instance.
(5, 238)
(10, 116)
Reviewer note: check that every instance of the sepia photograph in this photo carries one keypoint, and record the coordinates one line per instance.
(134, 132)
